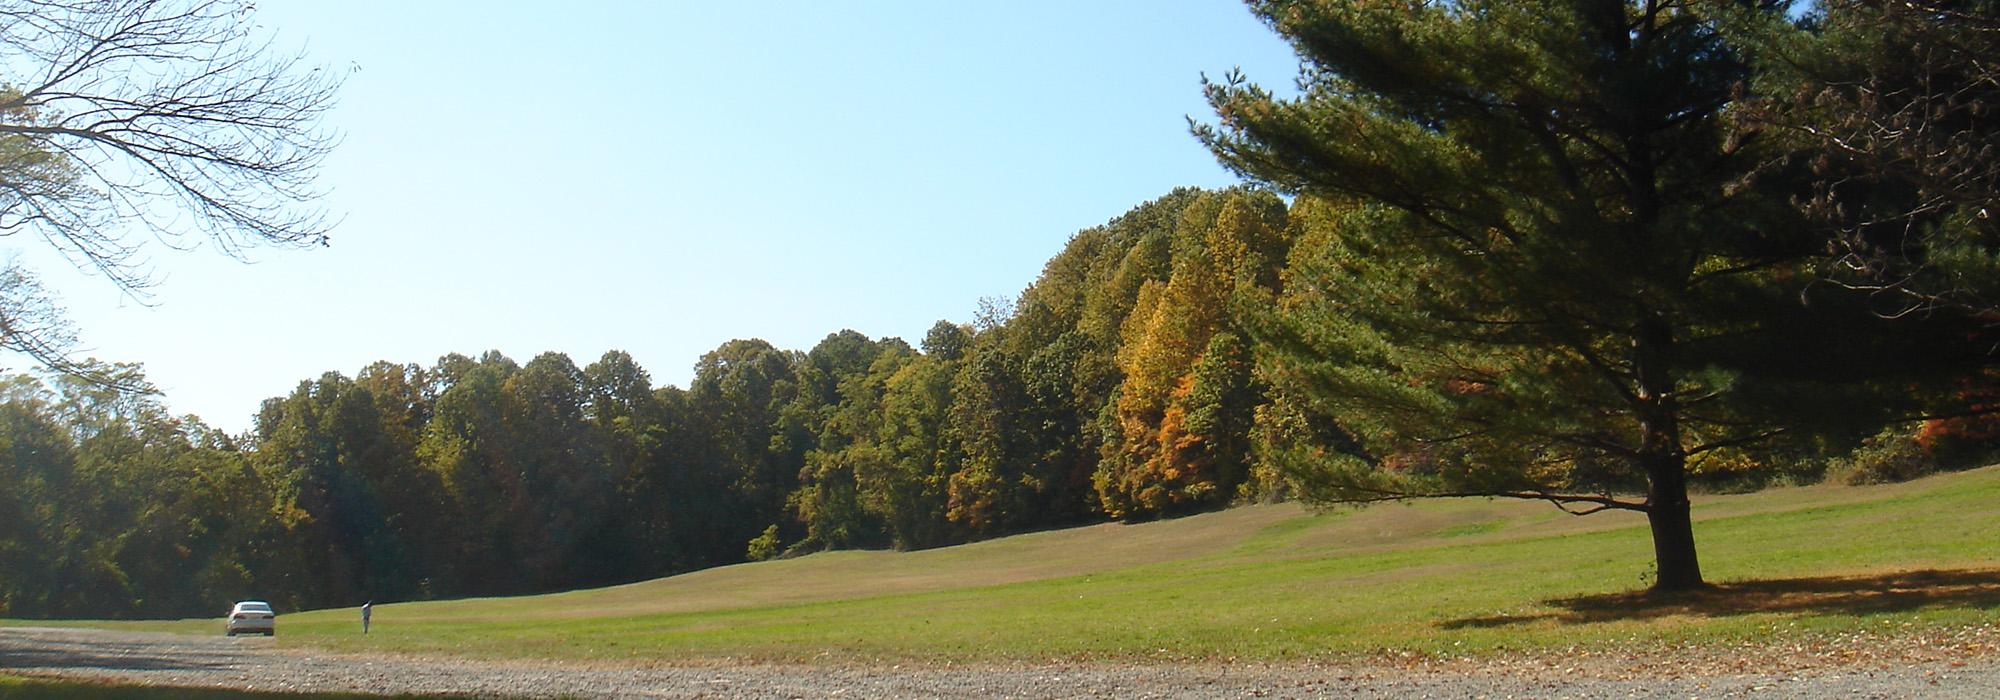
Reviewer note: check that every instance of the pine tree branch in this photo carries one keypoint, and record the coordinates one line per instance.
(1598, 503)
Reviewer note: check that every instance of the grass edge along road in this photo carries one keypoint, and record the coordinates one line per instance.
(1436, 578)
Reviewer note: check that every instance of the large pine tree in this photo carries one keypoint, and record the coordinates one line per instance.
(1550, 280)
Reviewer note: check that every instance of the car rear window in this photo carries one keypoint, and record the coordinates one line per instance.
(254, 607)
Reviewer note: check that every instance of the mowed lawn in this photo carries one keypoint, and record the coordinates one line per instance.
(1269, 582)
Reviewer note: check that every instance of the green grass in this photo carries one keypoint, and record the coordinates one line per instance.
(1271, 582)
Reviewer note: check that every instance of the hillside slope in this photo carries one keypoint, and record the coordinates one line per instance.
(1274, 582)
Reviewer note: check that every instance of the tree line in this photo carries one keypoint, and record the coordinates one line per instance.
(1120, 385)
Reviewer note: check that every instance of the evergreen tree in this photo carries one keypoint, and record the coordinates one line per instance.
(1893, 108)
(1550, 280)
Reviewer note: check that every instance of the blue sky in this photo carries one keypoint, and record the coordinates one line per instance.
(662, 177)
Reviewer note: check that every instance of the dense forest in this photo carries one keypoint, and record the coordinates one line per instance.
(1119, 385)
(1567, 251)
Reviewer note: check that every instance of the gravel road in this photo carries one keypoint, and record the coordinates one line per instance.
(177, 660)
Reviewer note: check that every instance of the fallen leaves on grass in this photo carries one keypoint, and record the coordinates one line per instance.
(1902, 646)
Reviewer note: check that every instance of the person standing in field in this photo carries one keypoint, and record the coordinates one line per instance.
(367, 610)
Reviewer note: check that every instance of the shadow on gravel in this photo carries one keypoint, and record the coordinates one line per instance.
(75, 658)
(31, 688)
(1897, 592)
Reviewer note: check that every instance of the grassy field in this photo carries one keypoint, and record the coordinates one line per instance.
(1271, 582)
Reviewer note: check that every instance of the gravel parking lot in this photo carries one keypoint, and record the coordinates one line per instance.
(255, 663)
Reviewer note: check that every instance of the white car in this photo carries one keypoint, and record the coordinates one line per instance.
(252, 616)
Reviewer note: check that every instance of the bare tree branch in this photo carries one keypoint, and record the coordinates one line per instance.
(173, 122)
(31, 324)
(160, 109)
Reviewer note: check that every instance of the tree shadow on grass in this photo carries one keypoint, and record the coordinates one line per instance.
(1856, 595)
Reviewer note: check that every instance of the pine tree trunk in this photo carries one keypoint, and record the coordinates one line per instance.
(1663, 459)
(1673, 529)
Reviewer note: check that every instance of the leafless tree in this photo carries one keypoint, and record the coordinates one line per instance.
(130, 122)
(31, 324)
